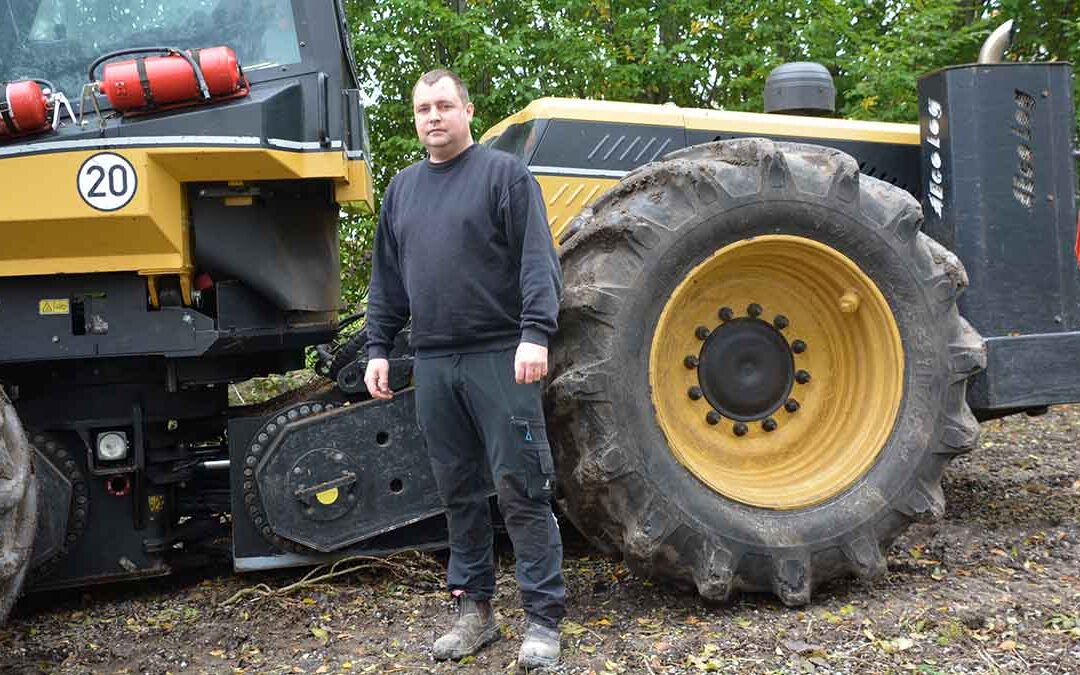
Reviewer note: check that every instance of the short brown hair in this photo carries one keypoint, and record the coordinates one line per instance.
(432, 76)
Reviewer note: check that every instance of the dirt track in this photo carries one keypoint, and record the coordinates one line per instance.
(992, 587)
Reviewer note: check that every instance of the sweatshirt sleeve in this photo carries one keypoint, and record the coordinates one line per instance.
(388, 303)
(541, 276)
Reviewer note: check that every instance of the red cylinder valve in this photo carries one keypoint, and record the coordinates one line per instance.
(157, 81)
(24, 109)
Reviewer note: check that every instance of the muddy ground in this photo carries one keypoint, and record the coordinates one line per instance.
(992, 587)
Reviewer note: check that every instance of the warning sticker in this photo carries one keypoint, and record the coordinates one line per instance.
(54, 306)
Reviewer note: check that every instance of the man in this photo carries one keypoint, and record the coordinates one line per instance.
(463, 247)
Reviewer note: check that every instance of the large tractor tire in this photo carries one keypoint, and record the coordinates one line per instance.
(18, 506)
(760, 372)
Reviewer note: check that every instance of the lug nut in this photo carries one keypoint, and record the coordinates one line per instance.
(726, 314)
(754, 310)
(691, 362)
(769, 424)
(694, 392)
(740, 429)
(781, 322)
(701, 332)
(798, 346)
(712, 417)
(791, 405)
(802, 377)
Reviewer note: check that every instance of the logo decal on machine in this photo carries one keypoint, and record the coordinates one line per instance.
(936, 184)
(107, 181)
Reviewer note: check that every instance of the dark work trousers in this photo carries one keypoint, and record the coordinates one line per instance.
(474, 417)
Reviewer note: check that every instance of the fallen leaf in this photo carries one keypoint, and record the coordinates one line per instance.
(1007, 646)
(571, 628)
(800, 647)
(321, 634)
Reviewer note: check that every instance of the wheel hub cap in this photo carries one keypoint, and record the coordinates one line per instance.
(746, 369)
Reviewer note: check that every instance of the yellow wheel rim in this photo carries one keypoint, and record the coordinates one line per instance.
(722, 387)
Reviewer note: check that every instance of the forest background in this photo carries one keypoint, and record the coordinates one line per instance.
(695, 53)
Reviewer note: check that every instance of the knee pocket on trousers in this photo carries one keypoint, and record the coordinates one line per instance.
(537, 464)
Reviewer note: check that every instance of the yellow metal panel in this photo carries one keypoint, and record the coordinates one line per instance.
(711, 120)
(804, 127)
(49, 229)
(357, 186)
(565, 196)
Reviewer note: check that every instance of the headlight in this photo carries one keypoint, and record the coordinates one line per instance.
(112, 446)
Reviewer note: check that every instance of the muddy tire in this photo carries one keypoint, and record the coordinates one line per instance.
(18, 506)
(657, 470)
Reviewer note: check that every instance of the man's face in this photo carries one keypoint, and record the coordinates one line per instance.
(442, 120)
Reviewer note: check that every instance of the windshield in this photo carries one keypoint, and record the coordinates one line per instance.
(57, 40)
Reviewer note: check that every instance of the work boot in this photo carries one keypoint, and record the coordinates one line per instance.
(540, 649)
(474, 629)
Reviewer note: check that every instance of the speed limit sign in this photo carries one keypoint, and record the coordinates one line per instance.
(107, 181)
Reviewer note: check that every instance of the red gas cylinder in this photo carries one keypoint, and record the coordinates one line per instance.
(24, 109)
(155, 81)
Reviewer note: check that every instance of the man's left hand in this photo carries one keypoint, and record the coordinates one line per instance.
(530, 363)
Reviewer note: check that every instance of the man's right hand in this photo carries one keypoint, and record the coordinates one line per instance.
(377, 379)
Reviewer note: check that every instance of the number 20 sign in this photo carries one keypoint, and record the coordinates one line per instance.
(107, 181)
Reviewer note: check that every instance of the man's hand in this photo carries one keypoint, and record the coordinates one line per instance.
(377, 379)
(530, 363)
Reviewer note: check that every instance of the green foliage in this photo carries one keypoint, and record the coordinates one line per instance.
(695, 53)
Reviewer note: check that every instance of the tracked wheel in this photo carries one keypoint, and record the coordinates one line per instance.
(760, 373)
(18, 506)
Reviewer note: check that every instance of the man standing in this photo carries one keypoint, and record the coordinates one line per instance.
(463, 247)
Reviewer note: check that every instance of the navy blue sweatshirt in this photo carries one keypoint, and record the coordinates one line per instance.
(464, 248)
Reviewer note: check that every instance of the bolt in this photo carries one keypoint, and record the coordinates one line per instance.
(754, 310)
(726, 314)
(712, 417)
(297, 471)
(691, 362)
(694, 392)
(802, 377)
(798, 346)
(791, 405)
(740, 429)
(769, 424)
(701, 332)
(187, 318)
(55, 339)
(781, 322)
(849, 302)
